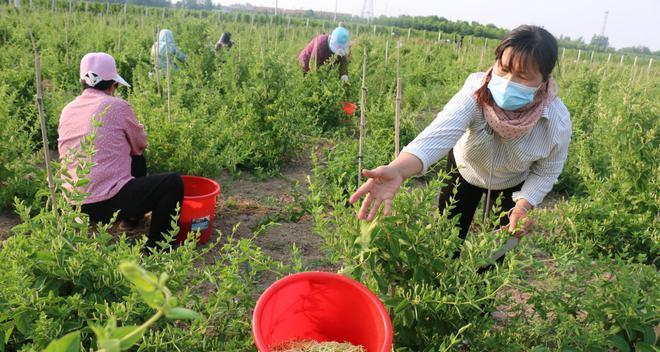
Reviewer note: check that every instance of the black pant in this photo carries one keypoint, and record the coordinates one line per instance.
(159, 194)
(467, 199)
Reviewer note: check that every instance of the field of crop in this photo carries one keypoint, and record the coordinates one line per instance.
(287, 159)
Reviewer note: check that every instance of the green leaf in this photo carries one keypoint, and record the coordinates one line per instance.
(22, 323)
(182, 314)
(648, 333)
(645, 347)
(8, 333)
(100, 332)
(142, 279)
(109, 345)
(67, 343)
(154, 299)
(123, 331)
(619, 342)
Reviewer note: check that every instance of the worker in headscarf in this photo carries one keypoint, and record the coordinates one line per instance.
(166, 46)
(324, 47)
(224, 41)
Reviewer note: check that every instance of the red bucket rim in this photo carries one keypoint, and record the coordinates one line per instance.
(273, 288)
(348, 107)
(216, 186)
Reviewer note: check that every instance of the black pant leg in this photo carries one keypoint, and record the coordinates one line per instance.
(507, 201)
(466, 199)
(159, 194)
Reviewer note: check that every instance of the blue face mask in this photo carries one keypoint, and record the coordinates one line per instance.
(510, 95)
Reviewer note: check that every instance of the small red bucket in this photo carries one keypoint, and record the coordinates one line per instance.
(198, 209)
(348, 108)
(321, 306)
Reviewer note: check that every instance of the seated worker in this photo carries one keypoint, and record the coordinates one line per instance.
(117, 179)
(324, 47)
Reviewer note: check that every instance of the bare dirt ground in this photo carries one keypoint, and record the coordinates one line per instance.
(7, 221)
(248, 203)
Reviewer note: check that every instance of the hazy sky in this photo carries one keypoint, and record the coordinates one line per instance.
(630, 22)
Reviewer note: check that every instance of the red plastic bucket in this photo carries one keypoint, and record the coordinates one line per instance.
(198, 209)
(348, 108)
(321, 306)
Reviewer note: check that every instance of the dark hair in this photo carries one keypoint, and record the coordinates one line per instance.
(530, 45)
(225, 39)
(103, 85)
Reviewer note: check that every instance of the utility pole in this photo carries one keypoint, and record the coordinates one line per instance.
(368, 10)
(602, 30)
(336, 5)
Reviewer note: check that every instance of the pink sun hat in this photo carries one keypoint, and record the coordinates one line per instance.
(97, 67)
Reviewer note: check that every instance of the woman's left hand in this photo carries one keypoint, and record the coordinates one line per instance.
(519, 222)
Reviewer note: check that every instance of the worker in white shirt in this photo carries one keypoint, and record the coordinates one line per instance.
(506, 133)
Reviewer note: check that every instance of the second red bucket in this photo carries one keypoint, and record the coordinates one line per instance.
(198, 209)
(321, 306)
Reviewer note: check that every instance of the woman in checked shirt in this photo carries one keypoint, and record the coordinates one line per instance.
(506, 133)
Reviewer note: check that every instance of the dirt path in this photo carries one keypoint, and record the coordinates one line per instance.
(270, 211)
(7, 221)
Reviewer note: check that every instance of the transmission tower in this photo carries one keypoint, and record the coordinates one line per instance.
(368, 9)
(602, 30)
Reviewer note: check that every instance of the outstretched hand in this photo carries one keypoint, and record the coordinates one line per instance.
(520, 223)
(379, 190)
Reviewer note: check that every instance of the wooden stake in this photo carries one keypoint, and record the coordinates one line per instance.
(363, 106)
(238, 48)
(648, 71)
(579, 54)
(157, 61)
(261, 51)
(119, 39)
(66, 37)
(387, 52)
(591, 59)
(408, 33)
(563, 53)
(621, 61)
(397, 104)
(169, 88)
(42, 122)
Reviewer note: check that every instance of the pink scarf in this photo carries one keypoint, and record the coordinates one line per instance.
(512, 124)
